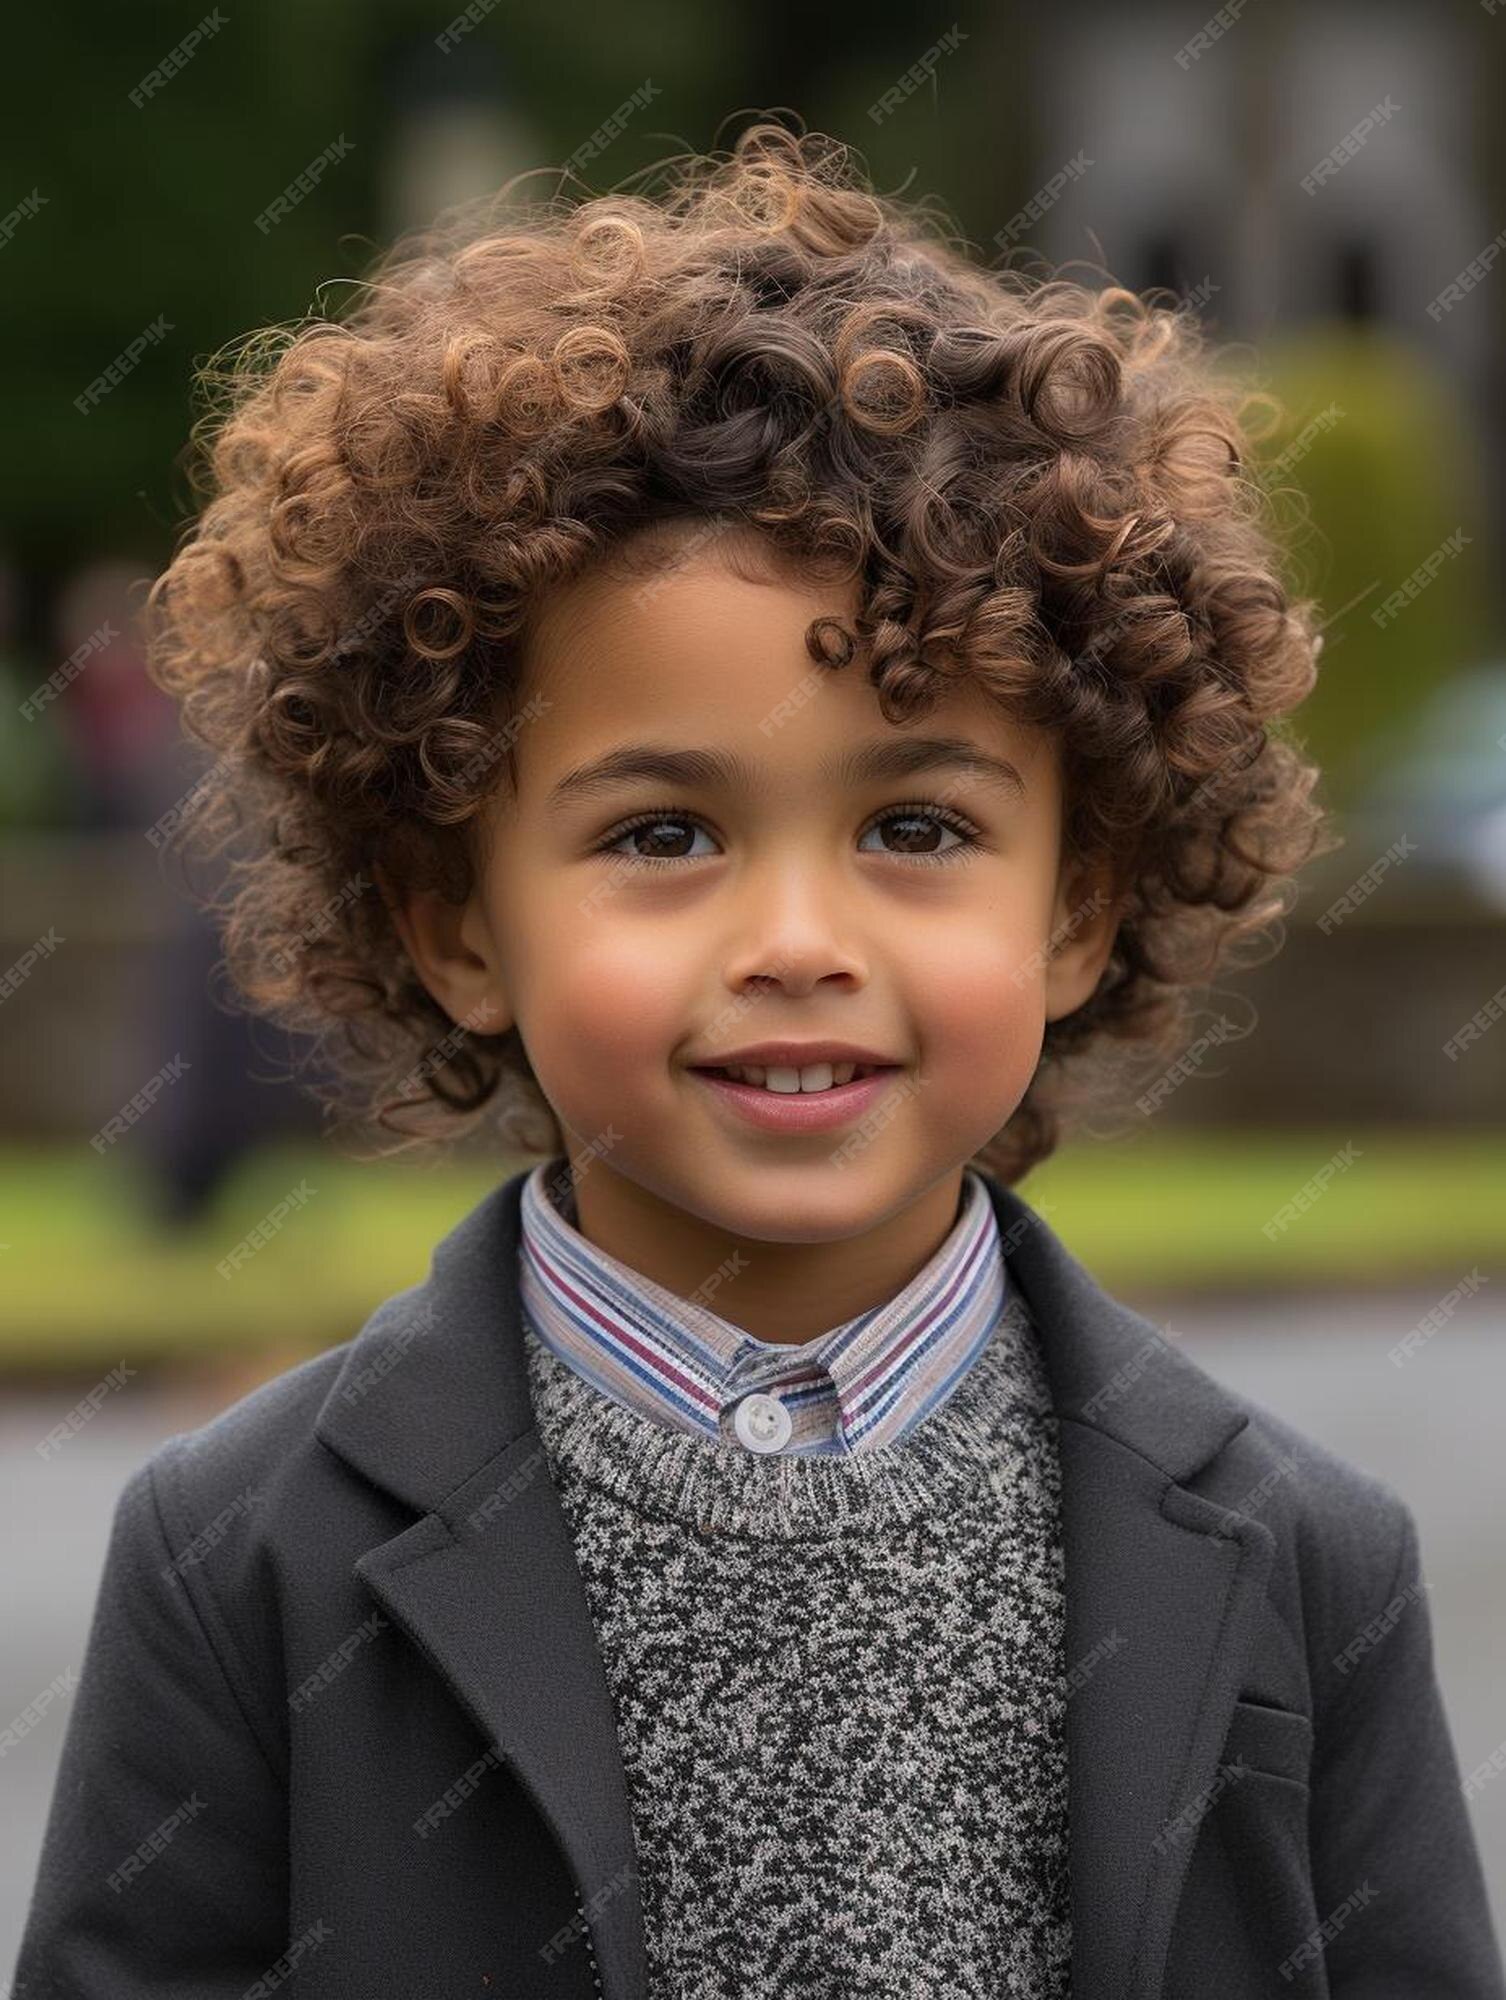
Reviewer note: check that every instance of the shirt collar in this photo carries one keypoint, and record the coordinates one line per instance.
(858, 1385)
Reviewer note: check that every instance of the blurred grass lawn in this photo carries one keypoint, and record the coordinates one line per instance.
(88, 1279)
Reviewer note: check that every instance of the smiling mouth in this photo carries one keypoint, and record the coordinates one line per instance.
(817, 1080)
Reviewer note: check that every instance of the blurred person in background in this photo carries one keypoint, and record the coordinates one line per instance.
(132, 773)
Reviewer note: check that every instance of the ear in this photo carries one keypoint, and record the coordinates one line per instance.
(1084, 925)
(452, 952)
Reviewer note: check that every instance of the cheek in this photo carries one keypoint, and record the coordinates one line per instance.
(606, 1012)
(982, 1015)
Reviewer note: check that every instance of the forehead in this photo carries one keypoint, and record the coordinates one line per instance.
(697, 636)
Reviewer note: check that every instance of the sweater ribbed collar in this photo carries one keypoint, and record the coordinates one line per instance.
(984, 1443)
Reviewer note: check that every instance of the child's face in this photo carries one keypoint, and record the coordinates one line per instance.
(792, 906)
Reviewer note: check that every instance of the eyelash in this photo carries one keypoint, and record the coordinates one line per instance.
(913, 809)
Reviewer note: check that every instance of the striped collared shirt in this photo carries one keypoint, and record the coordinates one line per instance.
(862, 1384)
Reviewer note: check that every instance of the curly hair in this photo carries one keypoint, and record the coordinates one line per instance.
(1043, 486)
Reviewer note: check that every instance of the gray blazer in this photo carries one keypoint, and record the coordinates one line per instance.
(342, 1714)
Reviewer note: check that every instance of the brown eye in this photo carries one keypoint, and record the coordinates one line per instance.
(665, 833)
(664, 837)
(920, 826)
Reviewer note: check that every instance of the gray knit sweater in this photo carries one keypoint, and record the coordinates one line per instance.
(839, 1685)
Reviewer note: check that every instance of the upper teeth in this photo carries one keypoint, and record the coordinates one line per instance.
(815, 1076)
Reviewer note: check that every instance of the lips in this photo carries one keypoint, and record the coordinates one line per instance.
(833, 1075)
(798, 1055)
(797, 1110)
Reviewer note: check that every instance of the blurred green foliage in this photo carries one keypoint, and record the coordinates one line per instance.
(149, 213)
(90, 1277)
(1381, 469)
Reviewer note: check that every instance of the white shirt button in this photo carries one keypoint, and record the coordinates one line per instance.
(762, 1422)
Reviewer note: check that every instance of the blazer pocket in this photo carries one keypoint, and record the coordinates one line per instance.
(1276, 1741)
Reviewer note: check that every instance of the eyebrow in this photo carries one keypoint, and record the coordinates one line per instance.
(892, 757)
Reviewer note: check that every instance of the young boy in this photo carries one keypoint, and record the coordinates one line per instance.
(748, 703)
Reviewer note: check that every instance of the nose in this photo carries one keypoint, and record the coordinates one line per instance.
(793, 924)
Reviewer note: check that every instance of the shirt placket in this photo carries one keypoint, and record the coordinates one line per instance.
(757, 1374)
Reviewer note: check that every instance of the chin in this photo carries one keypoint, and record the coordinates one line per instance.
(799, 1211)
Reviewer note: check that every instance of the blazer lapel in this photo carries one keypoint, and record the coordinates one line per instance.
(431, 1403)
(1163, 1592)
